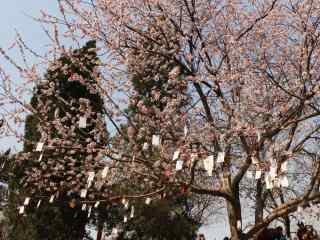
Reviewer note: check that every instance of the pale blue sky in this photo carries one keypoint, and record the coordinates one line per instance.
(14, 15)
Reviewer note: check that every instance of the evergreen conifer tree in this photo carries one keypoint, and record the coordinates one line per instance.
(68, 120)
(158, 89)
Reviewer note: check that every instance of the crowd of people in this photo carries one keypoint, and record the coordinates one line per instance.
(282, 237)
(304, 232)
(202, 237)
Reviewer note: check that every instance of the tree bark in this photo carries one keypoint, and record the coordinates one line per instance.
(286, 218)
(233, 215)
(234, 212)
(259, 203)
(287, 226)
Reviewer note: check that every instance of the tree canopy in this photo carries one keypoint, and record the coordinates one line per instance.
(230, 112)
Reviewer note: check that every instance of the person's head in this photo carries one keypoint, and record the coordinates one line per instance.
(279, 230)
(201, 237)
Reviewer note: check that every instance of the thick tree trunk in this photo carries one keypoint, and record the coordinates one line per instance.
(234, 212)
(259, 203)
(234, 218)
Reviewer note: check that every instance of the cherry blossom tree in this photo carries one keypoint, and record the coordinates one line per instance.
(67, 109)
(242, 97)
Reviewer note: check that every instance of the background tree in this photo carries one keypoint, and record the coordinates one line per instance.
(152, 91)
(155, 221)
(6, 162)
(66, 93)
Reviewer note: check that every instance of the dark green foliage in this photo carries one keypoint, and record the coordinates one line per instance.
(86, 61)
(151, 74)
(55, 221)
(81, 64)
(50, 222)
(145, 82)
(30, 133)
(162, 220)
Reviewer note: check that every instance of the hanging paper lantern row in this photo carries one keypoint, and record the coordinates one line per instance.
(91, 175)
(156, 141)
(84, 204)
(87, 208)
(207, 162)
(208, 165)
(271, 177)
(40, 147)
